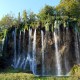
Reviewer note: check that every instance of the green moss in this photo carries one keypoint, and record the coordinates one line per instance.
(26, 76)
(11, 74)
(75, 71)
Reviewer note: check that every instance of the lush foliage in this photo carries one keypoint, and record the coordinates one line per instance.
(26, 76)
(11, 74)
(66, 8)
(69, 7)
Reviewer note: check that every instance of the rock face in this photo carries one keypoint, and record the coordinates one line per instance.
(55, 52)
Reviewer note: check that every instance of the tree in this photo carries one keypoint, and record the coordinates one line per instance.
(19, 18)
(69, 7)
(7, 21)
(24, 17)
(32, 17)
(46, 12)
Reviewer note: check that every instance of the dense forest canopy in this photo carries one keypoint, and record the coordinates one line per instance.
(69, 7)
(65, 9)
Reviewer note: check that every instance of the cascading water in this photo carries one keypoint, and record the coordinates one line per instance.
(29, 49)
(14, 58)
(58, 23)
(19, 48)
(44, 55)
(57, 54)
(28, 58)
(34, 66)
(3, 43)
(42, 41)
(23, 52)
(58, 65)
(4, 40)
(66, 62)
(77, 47)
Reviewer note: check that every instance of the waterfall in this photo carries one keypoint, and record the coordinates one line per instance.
(19, 49)
(66, 61)
(29, 49)
(34, 54)
(4, 40)
(42, 41)
(15, 57)
(23, 52)
(57, 55)
(44, 55)
(59, 31)
(77, 47)
(28, 58)
(3, 43)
